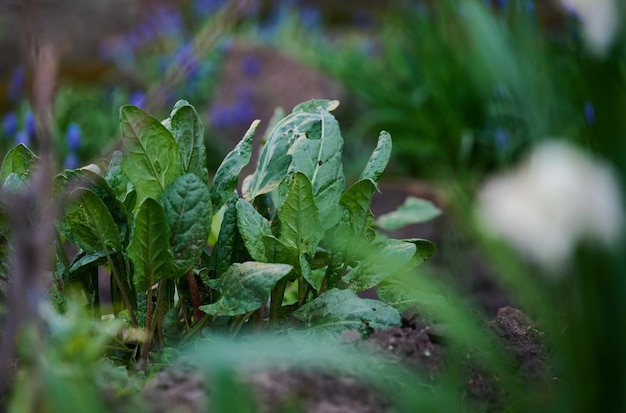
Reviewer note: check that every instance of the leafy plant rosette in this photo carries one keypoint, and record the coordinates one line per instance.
(293, 249)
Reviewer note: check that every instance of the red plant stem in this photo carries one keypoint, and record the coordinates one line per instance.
(145, 349)
(195, 296)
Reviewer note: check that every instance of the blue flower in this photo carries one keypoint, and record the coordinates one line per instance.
(16, 84)
(207, 7)
(137, 98)
(590, 113)
(73, 136)
(22, 138)
(71, 161)
(10, 124)
(31, 126)
(502, 138)
(251, 66)
(310, 17)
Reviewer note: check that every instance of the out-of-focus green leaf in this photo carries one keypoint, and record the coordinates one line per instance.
(337, 310)
(384, 261)
(188, 131)
(245, 287)
(379, 159)
(412, 211)
(149, 246)
(152, 160)
(225, 180)
(402, 297)
(187, 205)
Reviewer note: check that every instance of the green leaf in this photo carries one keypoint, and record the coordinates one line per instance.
(245, 287)
(187, 205)
(91, 224)
(84, 178)
(253, 227)
(15, 183)
(19, 160)
(379, 159)
(275, 157)
(300, 227)
(116, 178)
(388, 258)
(149, 246)
(227, 175)
(188, 132)
(83, 260)
(358, 218)
(412, 211)
(315, 104)
(152, 161)
(337, 310)
(403, 297)
(424, 250)
(226, 250)
(317, 154)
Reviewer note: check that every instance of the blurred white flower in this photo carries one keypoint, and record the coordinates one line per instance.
(557, 197)
(600, 19)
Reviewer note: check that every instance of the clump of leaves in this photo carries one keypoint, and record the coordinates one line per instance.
(292, 249)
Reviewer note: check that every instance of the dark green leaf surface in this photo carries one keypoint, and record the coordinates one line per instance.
(116, 178)
(253, 227)
(91, 224)
(149, 246)
(152, 160)
(337, 310)
(187, 205)
(300, 227)
(245, 287)
(412, 211)
(188, 132)
(228, 236)
(227, 175)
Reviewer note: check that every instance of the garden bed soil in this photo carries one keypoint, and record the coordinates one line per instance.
(416, 343)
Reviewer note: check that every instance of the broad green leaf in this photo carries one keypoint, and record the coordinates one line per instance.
(227, 248)
(275, 156)
(300, 227)
(85, 260)
(379, 159)
(314, 104)
(15, 183)
(149, 246)
(116, 178)
(358, 218)
(152, 160)
(317, 154)
(403, 297)
(412, 211)
(245, 287)
(187, 205)
(227, 175)
(84, 178)
(188, 132)
(337, 310)
(384, 261)
(91, 224)
(19, 160)
(252, 227)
